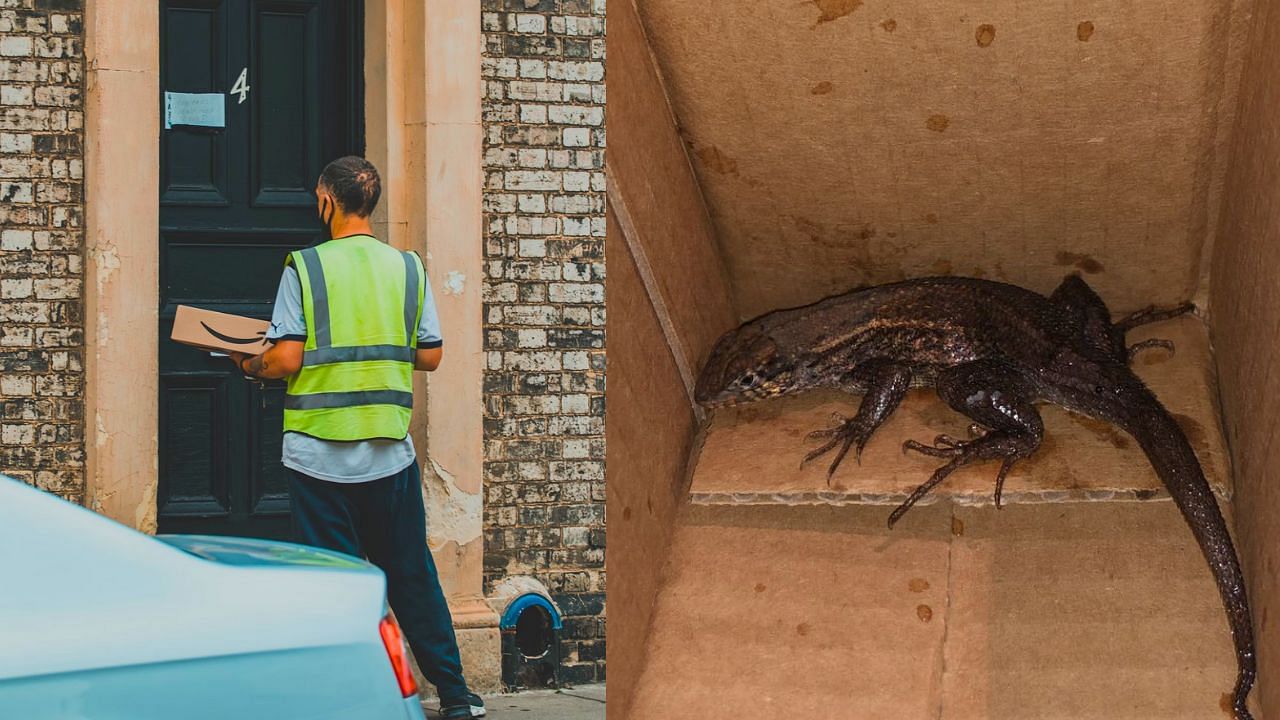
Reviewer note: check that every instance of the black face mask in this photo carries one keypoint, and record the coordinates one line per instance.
(327, 232)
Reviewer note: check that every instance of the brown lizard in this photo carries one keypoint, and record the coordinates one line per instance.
(992, 351)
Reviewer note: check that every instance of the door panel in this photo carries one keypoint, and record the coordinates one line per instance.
(195, 165)
(233, 202)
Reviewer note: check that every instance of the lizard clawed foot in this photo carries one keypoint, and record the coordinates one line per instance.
(1009, 449)
(847, 433)
(944, 446)
(1138, 347)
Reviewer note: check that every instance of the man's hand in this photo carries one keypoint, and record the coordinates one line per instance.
(237, 359)
(279, 361)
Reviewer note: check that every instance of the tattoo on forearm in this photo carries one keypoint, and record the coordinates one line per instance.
(258, 364)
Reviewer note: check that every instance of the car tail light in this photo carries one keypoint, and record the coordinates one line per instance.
(393, 639)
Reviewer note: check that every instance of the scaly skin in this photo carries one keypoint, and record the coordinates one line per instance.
(992, 351)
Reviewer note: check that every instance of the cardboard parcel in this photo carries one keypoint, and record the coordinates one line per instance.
(219, 332)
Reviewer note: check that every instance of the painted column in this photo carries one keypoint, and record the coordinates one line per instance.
(121, 259)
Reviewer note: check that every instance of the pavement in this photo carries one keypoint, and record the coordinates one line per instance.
(585, 702)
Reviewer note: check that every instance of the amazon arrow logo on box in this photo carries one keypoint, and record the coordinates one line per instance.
(222, 332)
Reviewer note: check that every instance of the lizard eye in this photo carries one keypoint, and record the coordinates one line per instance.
(748, 380)
(1097, 389)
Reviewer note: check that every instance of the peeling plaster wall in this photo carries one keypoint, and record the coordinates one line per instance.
(121, 260)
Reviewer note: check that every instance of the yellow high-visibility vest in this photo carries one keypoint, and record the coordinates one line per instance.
(362, 300)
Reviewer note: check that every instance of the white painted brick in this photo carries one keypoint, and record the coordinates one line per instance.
(576, 71)
(14, 143)
(533, 247)
(532, 158)
(11, 289)
(15, 95)
(577, 448)
(533, 68)
(533, 114)
(533, 203)
(577, 226)
(532, 360)
(539, 91)
(15, 240)
(575, 404)
(534, 180)
(577, 181)
(576, 137)
(18, 434)
(585, 293)
(19, 385)
(530, 23)
(16, 46)
(577, 92)
(575, 115)
(57, 289)
(531, 338)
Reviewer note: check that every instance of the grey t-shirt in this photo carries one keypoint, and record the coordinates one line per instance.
(346, 462)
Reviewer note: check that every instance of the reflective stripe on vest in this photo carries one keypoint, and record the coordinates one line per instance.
(362, 305)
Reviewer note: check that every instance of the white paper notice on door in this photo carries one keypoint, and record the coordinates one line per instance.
(203, 109)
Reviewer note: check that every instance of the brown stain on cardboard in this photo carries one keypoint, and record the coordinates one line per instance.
(831, 10)
(1226, 702)
(1084, 31)
(803, 629)
(1104, 431)
(1196, 435)
(717, 161)
(931, 218)
(815, 230)
(924, 612)
(937, 123)
(1082, 261)
(918, 585)
(1155, 356)
(889, 25)
(759, 587)
(822, 88)
(626, 513)
(985, 35)
(957, 526)
(940, 267)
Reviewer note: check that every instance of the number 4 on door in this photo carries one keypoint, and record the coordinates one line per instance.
(241, 86)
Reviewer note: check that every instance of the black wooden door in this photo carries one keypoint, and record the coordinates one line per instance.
(234, 200)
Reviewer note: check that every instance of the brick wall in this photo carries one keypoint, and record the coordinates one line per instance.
(41, 244)
(544, 308)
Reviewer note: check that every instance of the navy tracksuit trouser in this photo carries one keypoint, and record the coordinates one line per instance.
(383, 520)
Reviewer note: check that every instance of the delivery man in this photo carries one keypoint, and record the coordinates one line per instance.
(353, 319)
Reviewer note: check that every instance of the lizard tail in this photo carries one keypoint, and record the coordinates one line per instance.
(1170, 453)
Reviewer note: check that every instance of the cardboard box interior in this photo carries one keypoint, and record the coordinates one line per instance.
(765, 157)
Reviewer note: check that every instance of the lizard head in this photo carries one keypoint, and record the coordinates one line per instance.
(745, 365)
